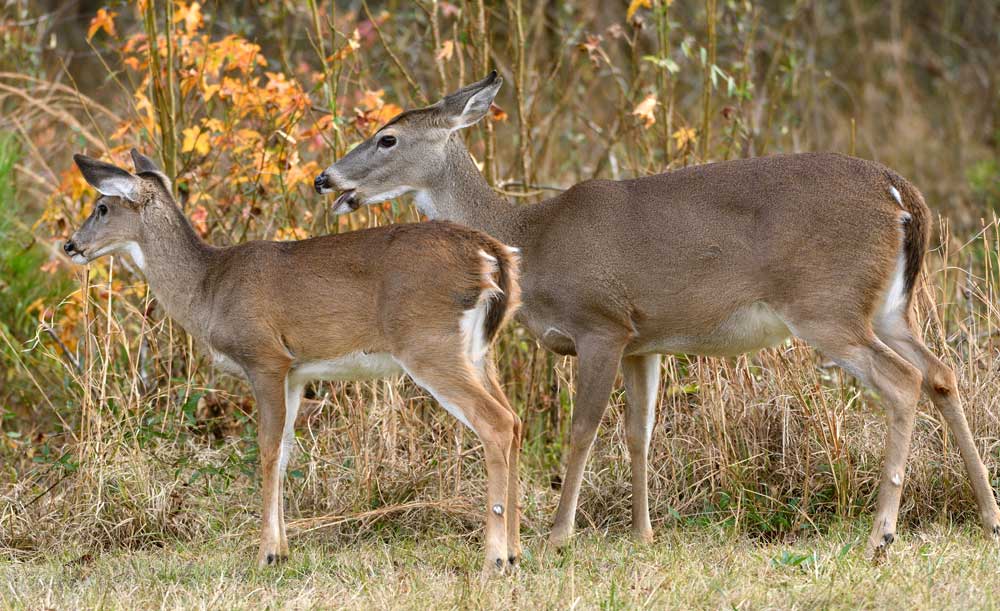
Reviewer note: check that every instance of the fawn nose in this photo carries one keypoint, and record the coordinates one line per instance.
(321, 182)
(69, 247)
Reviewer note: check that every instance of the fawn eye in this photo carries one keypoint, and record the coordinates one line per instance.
(101, 209)
(387, 142)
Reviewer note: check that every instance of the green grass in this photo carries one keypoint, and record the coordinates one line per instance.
(934, 567)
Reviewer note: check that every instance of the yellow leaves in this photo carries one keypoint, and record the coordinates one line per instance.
(645, 110)
(685, 136)
(103, 20)
(196, 140)
(285, 234)
(446, 52)
(190, 15)
(635, 5)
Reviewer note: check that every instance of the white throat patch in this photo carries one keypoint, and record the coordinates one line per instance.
(425, 204)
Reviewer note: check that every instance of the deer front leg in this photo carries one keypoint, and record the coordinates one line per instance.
(598, 366)
(269, 391)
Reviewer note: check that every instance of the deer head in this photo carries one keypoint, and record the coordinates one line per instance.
(409, 152)
(115, 223)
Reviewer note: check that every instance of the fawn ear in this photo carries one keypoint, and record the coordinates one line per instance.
(145, 165)
(108, 179)
(471, 103)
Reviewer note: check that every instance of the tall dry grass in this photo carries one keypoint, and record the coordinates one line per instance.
(117, 433)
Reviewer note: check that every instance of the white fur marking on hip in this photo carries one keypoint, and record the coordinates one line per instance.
(895, 195)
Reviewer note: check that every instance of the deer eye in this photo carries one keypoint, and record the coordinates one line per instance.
(387, 142)
(101, 209)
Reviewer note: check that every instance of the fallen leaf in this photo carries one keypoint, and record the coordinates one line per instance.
(644, 110)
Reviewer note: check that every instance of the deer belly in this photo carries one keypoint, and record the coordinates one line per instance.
(748, 329)
(354, 366)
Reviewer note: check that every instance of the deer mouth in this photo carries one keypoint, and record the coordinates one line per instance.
(347, 199)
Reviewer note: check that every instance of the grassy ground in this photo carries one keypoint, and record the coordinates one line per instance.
(935, 567)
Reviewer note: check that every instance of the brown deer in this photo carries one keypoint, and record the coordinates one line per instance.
(719, 259)
(424, 299)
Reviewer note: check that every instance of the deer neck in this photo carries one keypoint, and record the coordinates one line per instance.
(176, 263)
(461, 194)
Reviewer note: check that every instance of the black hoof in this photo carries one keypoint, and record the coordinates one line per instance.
(512, 560)
(500, 563)
(888, 538)
(271, 559)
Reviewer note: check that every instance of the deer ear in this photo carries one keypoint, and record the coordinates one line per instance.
(145, 165)
(108, 179)
(470, 104)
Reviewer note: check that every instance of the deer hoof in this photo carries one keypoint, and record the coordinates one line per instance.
(493, 568)
(271, 558)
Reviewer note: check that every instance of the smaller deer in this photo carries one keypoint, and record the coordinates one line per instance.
(424, 299)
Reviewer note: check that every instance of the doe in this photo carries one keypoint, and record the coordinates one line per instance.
(718, 259)
(425, 299)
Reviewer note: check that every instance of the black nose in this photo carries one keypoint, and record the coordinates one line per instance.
(321, 182)
(69, 247)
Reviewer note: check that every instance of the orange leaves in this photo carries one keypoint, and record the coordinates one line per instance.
(353, 44)
(199, 219)
(103, 20)
(645, 110)
(373, 112)
(635, 5)
(497, 114)
(190, 15)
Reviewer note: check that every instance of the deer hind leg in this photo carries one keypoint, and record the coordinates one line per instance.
(897, 382)
(940, 384)
(270, 393)
(598, 366)
(513, 481)
(642, 381)
(458, 388)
